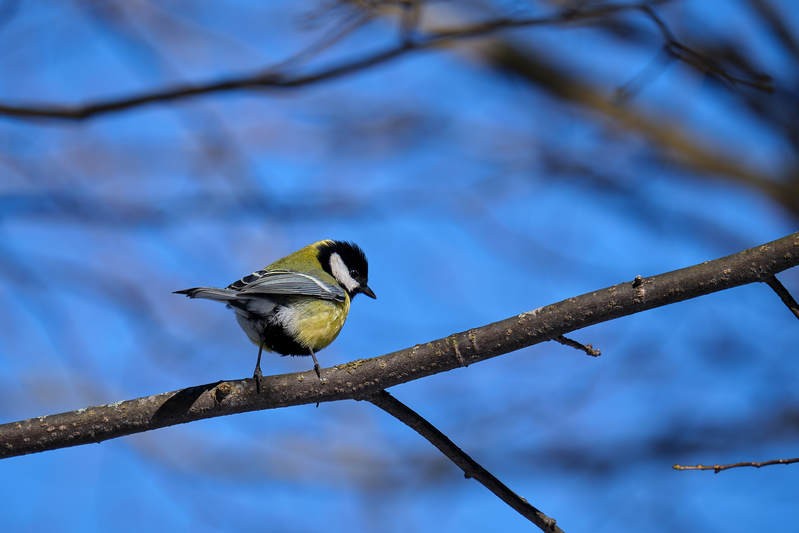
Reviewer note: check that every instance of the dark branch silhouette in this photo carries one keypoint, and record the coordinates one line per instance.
(701, 62)
(276, 78)
(363, 378)
(785, 296)
(470, 467)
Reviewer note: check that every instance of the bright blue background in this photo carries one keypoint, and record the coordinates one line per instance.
(475, 195)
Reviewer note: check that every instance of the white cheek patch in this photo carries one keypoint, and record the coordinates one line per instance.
(342, 273)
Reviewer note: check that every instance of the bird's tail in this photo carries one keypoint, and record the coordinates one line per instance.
(210, 293)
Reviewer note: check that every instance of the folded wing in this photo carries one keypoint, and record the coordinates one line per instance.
(267, 284)
(284, 282)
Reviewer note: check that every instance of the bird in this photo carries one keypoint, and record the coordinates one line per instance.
(298, 304)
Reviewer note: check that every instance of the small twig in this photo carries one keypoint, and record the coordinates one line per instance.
(470, 467)
(783, 293)
(718, 468)
(699, 61)
(325, 42)
(647, 75)
(587, 348)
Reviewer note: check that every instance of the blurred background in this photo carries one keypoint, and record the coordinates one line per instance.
(483, 178)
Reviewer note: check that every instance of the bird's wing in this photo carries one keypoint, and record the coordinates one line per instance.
(285, 282)
(210, 293)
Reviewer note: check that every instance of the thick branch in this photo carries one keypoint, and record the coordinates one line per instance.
(470, 467)
(363, 378)
(274, 78)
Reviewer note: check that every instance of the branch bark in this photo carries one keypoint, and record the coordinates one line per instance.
(363, 378)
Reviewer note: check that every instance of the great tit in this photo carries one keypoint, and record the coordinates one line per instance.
(298, 304)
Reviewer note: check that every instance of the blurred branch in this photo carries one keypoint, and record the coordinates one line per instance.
(409, 20)
(273, 78)
(784, 295)
(674, 144)
(348, 26)
(470, 467)
(718, 468)
(701, 62)
(776, 24)
(363, 378)
(646, 76)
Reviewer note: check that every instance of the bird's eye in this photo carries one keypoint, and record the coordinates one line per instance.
(354, 273)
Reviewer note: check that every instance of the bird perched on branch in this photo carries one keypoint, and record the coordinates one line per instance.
(298, 304)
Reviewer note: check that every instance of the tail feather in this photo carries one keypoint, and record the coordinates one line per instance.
(210, 293)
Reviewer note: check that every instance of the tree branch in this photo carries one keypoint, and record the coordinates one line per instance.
(363, 378)
(784, 295)
(701, 62)
(273, 78)
(470, 467)
(587, 348)
(718, 468)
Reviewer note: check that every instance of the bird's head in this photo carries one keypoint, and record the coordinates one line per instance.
(346, 262)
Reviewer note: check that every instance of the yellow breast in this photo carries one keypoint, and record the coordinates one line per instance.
(317, 323)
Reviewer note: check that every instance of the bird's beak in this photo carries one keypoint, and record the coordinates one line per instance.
(367, 291)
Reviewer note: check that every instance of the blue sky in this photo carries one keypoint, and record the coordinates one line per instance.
(475, 194)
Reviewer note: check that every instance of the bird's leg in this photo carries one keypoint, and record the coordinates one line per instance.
(257, 375)
(315, 365)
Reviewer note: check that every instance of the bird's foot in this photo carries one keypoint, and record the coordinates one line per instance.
(257, 376)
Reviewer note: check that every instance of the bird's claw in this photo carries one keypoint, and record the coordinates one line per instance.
(257, 376)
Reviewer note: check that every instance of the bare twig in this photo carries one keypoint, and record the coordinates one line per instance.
(273, 78)
(363, 378)
(587, 348)
(700, 61)
(350, 25)
(646, 76)
(783, 293)
(718, 468)
(470, 467)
